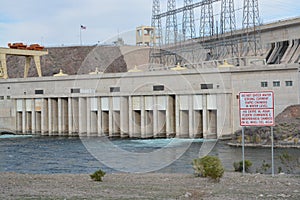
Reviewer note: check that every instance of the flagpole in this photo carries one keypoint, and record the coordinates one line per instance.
(82, 27)
(80, 36)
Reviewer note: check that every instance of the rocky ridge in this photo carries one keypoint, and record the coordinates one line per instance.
(286, 130)
(82, 60)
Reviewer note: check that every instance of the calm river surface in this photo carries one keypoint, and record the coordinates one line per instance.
(74, 155)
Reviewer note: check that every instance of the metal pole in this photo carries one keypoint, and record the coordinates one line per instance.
(243, 148)
(80, 36)
(272, 138)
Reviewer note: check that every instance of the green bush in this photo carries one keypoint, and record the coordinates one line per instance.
(208, 166)
(289, 162)
(97, 175)
(263, 168)
(238, 166)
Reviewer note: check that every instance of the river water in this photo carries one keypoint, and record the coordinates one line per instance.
(46, 155)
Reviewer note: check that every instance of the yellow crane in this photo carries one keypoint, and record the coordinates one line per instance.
(29, 54)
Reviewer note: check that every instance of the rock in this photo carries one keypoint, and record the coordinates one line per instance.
(286, 131)
(73, 60)
(187, 195)
(284, 195)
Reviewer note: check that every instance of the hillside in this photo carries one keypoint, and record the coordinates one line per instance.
(286, 130)
(81, 60)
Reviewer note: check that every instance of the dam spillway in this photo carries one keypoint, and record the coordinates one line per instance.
(167, 105)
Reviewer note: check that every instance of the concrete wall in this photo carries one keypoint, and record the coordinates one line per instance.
(144, 104)
(280, 31)
(250, 79)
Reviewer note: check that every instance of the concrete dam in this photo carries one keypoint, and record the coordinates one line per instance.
(192, 100)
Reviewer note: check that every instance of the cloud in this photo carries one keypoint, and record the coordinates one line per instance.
(272, 10)
(58, 22)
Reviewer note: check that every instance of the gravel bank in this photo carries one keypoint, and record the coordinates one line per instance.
(148, 186)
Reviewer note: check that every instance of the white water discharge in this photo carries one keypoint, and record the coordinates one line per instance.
(6, 136)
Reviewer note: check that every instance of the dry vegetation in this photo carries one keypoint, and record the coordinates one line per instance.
(148, 186)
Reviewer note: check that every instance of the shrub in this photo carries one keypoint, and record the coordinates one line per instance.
(97, 175)
(239, 139)
(290, 163)
(238, 166)
(247, 138)
(208, 166)
(263, 168)
(256, 139)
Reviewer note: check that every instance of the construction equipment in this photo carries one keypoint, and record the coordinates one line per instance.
(29, 55)
(35, 47)
(20, 45)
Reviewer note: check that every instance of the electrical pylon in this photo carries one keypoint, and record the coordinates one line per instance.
(188, 21)
(251, 20)
(155, 52)
(228, 26)
(227, 21)
(156, 23)
(171, 24)
(207, 20)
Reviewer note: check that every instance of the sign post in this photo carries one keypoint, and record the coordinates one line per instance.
(243, 148)
(257, 109)
(272, 138)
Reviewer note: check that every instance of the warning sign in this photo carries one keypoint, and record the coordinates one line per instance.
(257, 108)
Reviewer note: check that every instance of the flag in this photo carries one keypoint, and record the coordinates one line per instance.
(82, 27)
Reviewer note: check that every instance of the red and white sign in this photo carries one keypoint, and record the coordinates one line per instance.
(257, 108)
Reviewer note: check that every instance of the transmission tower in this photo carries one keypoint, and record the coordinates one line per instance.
(188, 21)
(228, 25)
(155, 52)
(207, 20)
(171, 24)
(251, 20)
(227, 22)
(156, 23)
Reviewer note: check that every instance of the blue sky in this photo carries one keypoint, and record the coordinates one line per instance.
(57, 22)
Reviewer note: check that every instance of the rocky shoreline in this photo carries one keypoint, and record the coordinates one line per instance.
(286, 132)
(148, 186)
(232, 144)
